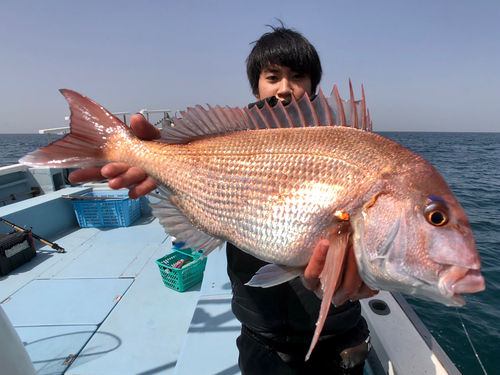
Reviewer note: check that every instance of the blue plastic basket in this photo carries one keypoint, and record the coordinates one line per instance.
(106, 212)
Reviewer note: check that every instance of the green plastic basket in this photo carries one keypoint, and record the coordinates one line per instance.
(181, 279)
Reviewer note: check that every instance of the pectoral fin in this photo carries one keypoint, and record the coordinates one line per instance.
(331, 276)
(272, 275)
(176, 224)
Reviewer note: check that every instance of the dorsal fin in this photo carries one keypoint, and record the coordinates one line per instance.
(259, 115)
(322, 110)
(283, 116)
(354, 108)
(369, 123)
(335, 104)
(296, 114)
(198, 122)
(308, 111)
(362, 109)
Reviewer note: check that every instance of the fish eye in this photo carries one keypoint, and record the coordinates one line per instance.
(436, 213)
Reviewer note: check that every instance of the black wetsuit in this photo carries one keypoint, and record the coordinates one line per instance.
(278, 324)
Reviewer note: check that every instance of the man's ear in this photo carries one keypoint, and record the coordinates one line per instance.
(257, 96)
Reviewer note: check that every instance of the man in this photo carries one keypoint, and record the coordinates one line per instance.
(277, 322)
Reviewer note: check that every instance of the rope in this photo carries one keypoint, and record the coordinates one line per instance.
(470, 342)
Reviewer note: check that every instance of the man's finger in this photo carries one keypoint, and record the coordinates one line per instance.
(313, 270)
(142, 188)
(85, 175)
(365, 292)
(143, 128)
(113, 170)
(132, 176)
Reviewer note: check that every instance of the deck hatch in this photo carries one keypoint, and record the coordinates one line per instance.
(50, 347)
(65, 301)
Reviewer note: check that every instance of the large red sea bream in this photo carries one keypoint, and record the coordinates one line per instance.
(276, 180)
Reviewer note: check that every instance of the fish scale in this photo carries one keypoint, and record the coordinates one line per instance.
(241, 174)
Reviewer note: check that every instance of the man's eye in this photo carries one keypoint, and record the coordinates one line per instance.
(299, 76)
(271, 78)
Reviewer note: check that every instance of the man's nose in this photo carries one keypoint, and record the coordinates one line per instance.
(285, 90)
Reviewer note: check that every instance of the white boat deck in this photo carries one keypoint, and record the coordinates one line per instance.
(65, 305)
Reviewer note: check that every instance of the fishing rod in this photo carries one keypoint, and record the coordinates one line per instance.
(43, 240)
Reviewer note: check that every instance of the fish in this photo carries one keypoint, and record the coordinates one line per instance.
(275, 180)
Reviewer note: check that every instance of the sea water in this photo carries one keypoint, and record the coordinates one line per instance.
(15, 146)
(470, 163)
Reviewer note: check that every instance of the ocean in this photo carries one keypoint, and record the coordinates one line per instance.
(470, 163)
(15, 146)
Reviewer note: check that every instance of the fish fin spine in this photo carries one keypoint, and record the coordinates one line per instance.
(354, 111)
(198, 122)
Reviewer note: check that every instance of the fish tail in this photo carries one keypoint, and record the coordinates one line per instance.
(92, 127)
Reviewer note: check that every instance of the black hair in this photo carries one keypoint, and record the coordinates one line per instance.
(284, 47)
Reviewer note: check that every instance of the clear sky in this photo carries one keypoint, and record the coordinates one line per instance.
(425, 65)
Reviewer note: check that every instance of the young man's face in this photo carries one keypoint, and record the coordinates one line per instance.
(282, 82)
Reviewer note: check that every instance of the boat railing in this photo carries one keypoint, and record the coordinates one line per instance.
(165, 121)
(54, 131)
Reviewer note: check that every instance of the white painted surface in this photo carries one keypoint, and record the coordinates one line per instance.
(399, 346)
(14, 358)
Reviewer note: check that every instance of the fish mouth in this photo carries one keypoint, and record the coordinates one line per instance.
(459, 280)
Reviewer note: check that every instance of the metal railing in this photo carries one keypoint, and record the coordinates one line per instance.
(165, 121)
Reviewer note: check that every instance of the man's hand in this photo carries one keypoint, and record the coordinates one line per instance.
(351, 287)
(122, 175)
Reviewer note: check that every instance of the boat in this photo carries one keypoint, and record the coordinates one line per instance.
(102, 307)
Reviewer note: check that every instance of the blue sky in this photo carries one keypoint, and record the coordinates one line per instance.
(425, 65)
